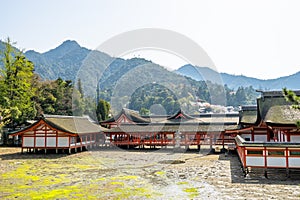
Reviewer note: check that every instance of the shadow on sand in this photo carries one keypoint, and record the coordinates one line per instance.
(256, 176)
(16, 155)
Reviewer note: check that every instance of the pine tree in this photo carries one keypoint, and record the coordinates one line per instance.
(103, 109)
(16, 86)
(292, 97)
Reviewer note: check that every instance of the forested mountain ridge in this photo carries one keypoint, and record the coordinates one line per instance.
(235, 81)
(65, 60)
(133, 82)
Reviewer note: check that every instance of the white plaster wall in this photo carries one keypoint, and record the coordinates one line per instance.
(40, 142)
(295, 138)
(246, 136)
(280, 137)
(294, 162)
(276, 161)
(255, 161)
(285, 138)
(63, 142)
(51, 142)
(28, 141)
(260, 138)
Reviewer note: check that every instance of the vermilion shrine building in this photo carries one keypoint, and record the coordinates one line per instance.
(61, 132)
(129, 129)
(268, 136)
(265, 135)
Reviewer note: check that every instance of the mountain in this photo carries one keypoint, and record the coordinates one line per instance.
(199, 73)
(64, 61)
(233, 81)
(70, 61)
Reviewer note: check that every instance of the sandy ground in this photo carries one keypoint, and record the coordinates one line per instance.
(137, 174)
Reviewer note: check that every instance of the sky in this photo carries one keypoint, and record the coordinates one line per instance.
(256, 38)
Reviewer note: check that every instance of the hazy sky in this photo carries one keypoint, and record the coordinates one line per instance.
(258, 38)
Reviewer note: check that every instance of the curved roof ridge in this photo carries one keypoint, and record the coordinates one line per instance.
(130, 114)
(180, 115)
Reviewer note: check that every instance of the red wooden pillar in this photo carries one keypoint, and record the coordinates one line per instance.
(252, 134)
(223, 142)
(56, 138)
(288, 136)
(265, 156)
(287, 158)
(34, 140)
(244, 156)
(268, 134)
(45, 145)
(80, 142)
(173, 138)
(22, 143)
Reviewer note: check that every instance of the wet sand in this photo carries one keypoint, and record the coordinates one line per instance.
(138, 174)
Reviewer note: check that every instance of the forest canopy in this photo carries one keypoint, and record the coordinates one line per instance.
(24, 95)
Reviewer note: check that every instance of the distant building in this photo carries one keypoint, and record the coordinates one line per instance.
(129, 129)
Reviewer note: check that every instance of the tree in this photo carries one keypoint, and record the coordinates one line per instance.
(80, 90)
(292, 97)
(144, 111)
(240, 96)
(103, 109)
(16, 86)
(4, 120)
(55, 97)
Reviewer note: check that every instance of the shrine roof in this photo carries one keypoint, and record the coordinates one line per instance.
(73, 124)
(159, 127)
(129, 114)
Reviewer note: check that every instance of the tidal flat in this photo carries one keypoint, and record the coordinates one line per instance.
(137, 174)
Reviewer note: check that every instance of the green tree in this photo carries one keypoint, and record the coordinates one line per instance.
(4, 120)
(240, 96)
(55, 97)
(80, 90)
(63, 93)
(292, 97)
(89, 107)
(16, 85)
(103, 109)
(144, 111)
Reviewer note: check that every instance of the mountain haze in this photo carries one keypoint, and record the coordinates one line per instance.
(235, 81)
(66, 60)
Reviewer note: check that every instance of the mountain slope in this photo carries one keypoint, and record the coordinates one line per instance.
(64, 61)
(233, 81)
(69, 60)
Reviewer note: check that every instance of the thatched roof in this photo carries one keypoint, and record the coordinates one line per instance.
(248, 115)
(68, 124)
(283, 114)
(275, 109)
(72, 124)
